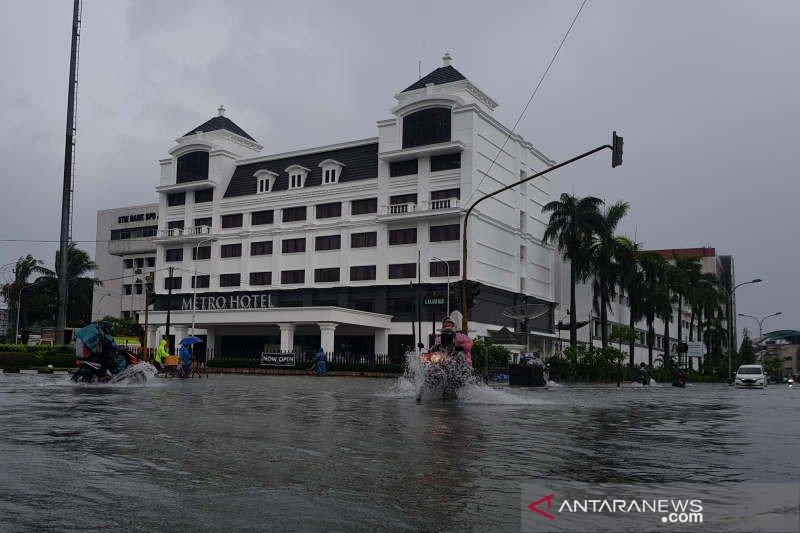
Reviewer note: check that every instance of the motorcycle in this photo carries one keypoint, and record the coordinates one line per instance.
(101, 360)
(643, 377)
(443, 374)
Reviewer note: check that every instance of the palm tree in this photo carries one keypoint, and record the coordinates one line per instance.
(24, 268)
(602, 261)
(669, 283)
(80, 284)
(631, 281)
(653, 295)
(573, 222)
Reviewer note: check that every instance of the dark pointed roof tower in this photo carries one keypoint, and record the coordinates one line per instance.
(221, 122)
(447, 73)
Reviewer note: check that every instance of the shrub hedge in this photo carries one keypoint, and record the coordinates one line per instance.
(12, 361)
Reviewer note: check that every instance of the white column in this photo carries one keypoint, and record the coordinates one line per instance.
(211, 343)
(381, 341)
(287, 336)
(326, 330)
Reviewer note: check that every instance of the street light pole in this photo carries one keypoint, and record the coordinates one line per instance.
(731, 337)
(616, 149)
(447, 265)
(194, 279)
(19, 309)
(761, 321)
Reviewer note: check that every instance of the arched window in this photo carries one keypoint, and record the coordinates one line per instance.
(427, 126)
(192, 167)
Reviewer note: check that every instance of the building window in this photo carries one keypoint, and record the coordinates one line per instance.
(260, 278)
(203, 195)
(523, 222)
(128, 263)
(440, 270)
(402, 271)
(265, 181)
(331, 170)
(293, 246)
(326, 275)
(261, 248)
(127, 289)
(192, 167)
(232, 221)
(403, 168)
(230, 280)
(445, 194)
(205, 221)
(138, 288)
(201, 253)
(362, 273)
(450, 232)
(427, 126)
(294, 214)
(175, 224)
(329, 210)
(139, 261)
(363, 207)
(297, 176)
(201, 282)
(174, 282)
(261, 218)
(172, 255)
(398, 199)
(230, 250)
(403, 236)
(368, 239)
(328, 242)
(150, 261)
(445, 162)
(289, 277)
(399, 306)
(176, 198)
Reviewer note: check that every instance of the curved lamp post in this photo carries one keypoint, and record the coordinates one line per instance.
(731, 333)
(761, 321)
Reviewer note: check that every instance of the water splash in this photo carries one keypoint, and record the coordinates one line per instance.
(475, 391)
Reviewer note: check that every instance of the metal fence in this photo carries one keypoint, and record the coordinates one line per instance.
(302, 359)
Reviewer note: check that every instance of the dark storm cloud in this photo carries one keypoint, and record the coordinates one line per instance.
(704, 93)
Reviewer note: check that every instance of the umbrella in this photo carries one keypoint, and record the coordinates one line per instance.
(188, 341)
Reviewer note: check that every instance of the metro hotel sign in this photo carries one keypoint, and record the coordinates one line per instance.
(216, 302)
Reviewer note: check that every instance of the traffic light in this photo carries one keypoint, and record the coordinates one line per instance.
(616, 150)
(473, 290)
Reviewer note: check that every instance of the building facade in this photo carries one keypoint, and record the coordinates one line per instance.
(334, 246)
(125, 254)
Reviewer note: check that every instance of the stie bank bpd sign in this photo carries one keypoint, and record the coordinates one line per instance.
(230, 301)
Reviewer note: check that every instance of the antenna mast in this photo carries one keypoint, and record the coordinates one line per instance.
(69, 174)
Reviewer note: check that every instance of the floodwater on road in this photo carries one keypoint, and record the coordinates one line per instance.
(354, 454)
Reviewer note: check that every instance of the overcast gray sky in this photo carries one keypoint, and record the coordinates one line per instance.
(705, 94)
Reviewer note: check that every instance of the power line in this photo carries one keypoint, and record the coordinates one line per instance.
(533, 94)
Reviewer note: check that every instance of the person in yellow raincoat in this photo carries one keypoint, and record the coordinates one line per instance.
(161, 352)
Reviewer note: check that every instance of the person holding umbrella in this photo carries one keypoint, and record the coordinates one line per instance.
(186, 355)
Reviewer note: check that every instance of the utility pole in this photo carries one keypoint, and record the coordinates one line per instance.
(68, 186)
(419, 302)
(169, 306)
(147, 281)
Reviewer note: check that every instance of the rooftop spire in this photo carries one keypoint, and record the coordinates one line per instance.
(447, 59)
(221, 110)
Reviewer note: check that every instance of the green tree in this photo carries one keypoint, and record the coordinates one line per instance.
(573, 222)
(499, 356)
(24, 269)
(631, 281)
(80, 286)
(606, 270)
(746, 353)
(653, 295)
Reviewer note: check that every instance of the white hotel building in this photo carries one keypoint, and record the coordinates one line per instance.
(319, 247)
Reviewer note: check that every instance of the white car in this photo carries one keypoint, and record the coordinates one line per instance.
(750, 377)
